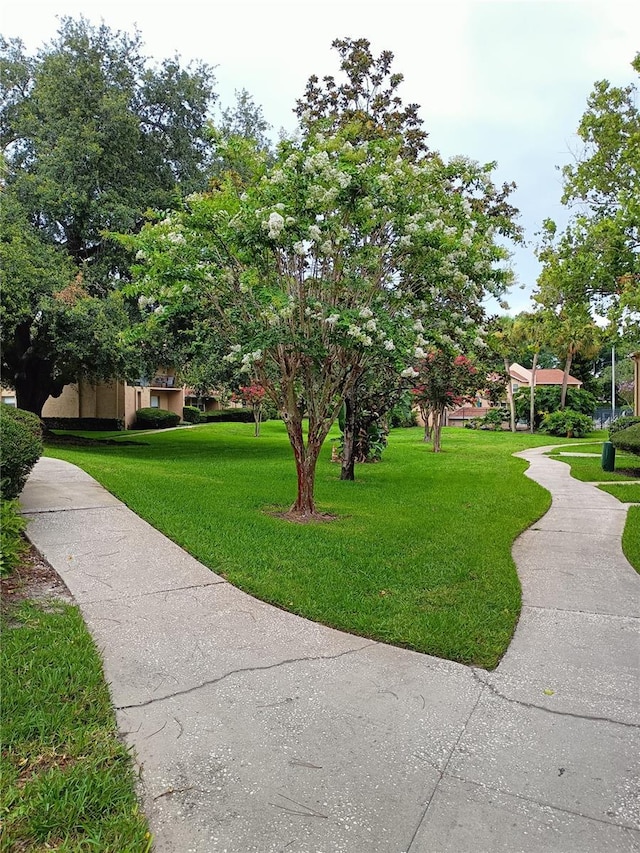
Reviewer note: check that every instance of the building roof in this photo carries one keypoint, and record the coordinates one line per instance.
(544, 376)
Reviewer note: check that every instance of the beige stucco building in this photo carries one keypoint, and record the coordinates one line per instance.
(119, 400)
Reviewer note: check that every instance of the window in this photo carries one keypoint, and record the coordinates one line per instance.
(515, 386)
(155, 401)
(9, 401)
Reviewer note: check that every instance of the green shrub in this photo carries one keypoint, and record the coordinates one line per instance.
(628, 439)
(567, 423)
(403, 414)
(494, 419)
(12, 543)
(622, 423)
(153, 418)
(192, 415)
(230, 416)
(20, 449)
(547, 399)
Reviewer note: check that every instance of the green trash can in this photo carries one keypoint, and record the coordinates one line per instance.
(608, 456)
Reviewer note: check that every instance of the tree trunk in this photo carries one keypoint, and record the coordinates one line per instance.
(306, 459)
(510, 400)
(347, 469)
(532, 402)
(565, 380)
(257, 417)
(437, 429)
(428, 424)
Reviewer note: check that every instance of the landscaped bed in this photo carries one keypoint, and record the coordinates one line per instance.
(420, 552)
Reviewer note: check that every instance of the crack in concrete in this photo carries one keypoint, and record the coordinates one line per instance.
(575, 610)
(124, 597)
(441, 773)
(70, 509)
(241, 671)
(592, 717)
(543, 804)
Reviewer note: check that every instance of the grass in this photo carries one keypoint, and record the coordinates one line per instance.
(625, 493)
(67, 778)
(627, 465)
(631, 537)
(420, 555)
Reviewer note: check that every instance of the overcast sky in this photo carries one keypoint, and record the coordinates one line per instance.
(505, 81)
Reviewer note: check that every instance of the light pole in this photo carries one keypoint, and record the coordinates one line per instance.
(613, 383)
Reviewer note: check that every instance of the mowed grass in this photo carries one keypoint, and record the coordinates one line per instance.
(627, 465)
(67, 779)
(631, 537)
(625, 493)
(419, 556)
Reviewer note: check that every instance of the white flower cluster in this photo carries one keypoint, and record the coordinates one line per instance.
(274, 224)
(409, 373)
(359, 335)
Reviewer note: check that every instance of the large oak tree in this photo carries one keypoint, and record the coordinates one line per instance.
(93, 136)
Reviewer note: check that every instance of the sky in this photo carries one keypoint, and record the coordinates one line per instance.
(497, 80)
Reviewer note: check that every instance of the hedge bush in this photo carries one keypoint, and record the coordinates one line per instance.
(628, 439)
(623, 423)
(192, 415)
(153, 418)
(230, 416)
(87, 424)
(13, 545)
(20, 449)
(568, 423)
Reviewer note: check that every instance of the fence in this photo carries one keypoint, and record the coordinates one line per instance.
(602, 417)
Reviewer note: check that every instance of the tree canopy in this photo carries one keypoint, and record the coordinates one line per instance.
(92, 137)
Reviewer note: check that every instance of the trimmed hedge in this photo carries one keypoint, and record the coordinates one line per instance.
(20, 449)
(244, 416)
(192, 415)
(153, 418)
(86, 424)
(623, 423)
(628, 439)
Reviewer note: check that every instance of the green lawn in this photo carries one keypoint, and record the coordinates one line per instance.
(420, 555)
(627, 493)
(67, 779)
(627, 465)
(631, 537)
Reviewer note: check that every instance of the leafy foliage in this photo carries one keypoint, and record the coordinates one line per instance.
(191, 415)
(152, 418)
(20, 449)
(623, 423)
(567, 422)
(628, 439)
(12, 543)
(547, 399)
(92, 137)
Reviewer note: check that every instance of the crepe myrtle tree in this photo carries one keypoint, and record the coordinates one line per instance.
(334, 259)
(444, 378)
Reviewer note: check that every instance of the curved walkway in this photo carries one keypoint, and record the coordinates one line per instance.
(257, 731)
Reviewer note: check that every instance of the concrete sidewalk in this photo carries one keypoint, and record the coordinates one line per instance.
(257, 731)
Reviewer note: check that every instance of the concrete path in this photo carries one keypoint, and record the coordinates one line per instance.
(256, 731)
